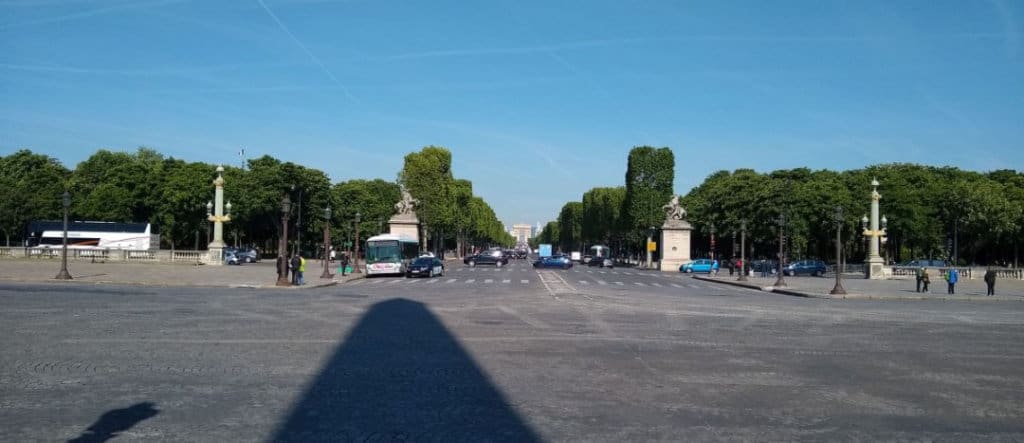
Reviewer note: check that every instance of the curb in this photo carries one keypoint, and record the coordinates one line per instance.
(796, 293)
(169, 285)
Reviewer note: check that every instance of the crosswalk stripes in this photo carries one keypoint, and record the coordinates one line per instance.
(639, 283)
(619, 283)
(584, 282)
(676, 286)
(470, 280)
(452, 280)
(602, 282)
(434, 280)
(524, 281)
(506, 281)
(489, 281)
(656, 284)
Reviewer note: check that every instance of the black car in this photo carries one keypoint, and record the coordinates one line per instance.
(521, 254)
(601, 262)
(496, 258)
(425, 267)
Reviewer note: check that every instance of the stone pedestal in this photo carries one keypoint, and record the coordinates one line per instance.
(404, 226)
(675, 244)
(215, 255)
(876, 269)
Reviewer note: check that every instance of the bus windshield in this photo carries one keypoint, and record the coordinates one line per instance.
(383, 251)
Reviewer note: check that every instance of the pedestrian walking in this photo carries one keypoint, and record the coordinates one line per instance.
(302, 270)
(925, 279)
(920, 276)
(764, 268)
(732, 266)
(295, 262)
(952, 276)
(990, 281)
(344, 263)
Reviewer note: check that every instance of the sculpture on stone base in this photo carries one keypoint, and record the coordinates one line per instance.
(407, 204)
(673, 210)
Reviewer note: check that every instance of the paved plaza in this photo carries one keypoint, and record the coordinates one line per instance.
(509, 354)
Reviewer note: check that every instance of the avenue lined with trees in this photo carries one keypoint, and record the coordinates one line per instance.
(145, 186)
(932, 212)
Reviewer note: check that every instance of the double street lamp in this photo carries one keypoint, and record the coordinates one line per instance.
(282, 262)
(711, 229)
(64, 274)
(327, 244)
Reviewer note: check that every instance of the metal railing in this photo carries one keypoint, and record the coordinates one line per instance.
(107, 255)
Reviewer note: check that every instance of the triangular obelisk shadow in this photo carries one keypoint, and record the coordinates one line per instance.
(401, 376)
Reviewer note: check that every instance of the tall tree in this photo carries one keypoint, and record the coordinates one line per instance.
(650, 173)
(33, 185)
(427, 175)
(570, 223)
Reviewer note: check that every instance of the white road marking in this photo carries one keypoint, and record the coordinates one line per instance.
(656, 284)
(524, 281)
(618, 283)
(638, 283)
(676, 286)
(470, 280)
(693, 286)
(506, 281)
(451, 280)
(602, 282)
(489, 281)
(434, 280)
(584, 282)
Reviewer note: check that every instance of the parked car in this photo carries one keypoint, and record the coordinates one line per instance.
(522, 253)
(425, 267)
(496, 258)
(809, 267)
(232, 259)
(705, 265)
(245, 255)
(553, 261)
(927, 263)
(602, 262)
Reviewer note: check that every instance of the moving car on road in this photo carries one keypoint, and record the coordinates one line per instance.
(705, 265)
(553, 261)
(495, 257)
(809, 267)
(425, 267)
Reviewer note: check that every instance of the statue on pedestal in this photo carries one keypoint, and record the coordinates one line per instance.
(406, 205)
(673, 210)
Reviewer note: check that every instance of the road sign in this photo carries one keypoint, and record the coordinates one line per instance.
(652, 246)
(545, 250)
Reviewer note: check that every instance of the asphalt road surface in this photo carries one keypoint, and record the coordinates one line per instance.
(503, 354)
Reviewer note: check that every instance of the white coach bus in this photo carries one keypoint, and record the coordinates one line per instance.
(93, 235)
(390, 254)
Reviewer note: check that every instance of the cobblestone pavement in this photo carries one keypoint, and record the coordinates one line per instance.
(859, 287)
(262, 274)
(553, 359)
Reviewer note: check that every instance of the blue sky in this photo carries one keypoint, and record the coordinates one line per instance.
(538, 100)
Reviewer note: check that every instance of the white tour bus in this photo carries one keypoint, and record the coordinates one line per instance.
(93, 235)
(390, 254)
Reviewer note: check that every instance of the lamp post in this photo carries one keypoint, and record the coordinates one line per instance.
(327, 244)
(781, 222)
(64, 274)
(298, 223)
(838, 217)
(218, 217)
(711, 229)
(874, 232)
(356, 258)
(743, 250)
(426, 234)
(282, 263)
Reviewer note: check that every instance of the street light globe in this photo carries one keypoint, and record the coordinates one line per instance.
(327, 213)
(885, 222)
(228, 207)
(286, 205)
(209, 208)
(358, 216)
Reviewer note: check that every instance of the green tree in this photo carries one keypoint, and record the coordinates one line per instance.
(650, 173)
(427, 175)
(33, 185)
(570, 224)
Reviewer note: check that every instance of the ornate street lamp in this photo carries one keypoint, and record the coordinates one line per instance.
(838, 218)
(282, 262)
(64, 274)
(356, 258)
(327, 244)
(743, 250)
(781, 222)
(711, 229)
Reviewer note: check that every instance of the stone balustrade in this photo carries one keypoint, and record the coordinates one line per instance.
(108, 255)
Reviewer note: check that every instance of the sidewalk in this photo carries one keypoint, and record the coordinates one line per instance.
(252, 275)
(857, 287)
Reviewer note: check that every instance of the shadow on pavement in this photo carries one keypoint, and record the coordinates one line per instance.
(401, 376)
(114, 421)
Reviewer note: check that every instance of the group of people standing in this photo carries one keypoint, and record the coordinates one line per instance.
(952, 276)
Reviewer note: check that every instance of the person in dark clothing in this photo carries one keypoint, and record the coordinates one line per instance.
(990, 281)
(296, 263)
(344, 263)
(281, 268)
(925, 279)
(920, 276)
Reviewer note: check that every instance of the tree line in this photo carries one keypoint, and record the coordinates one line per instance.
(145, 186)
(932, 212)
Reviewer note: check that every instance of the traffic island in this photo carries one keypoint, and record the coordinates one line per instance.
(865, 289)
